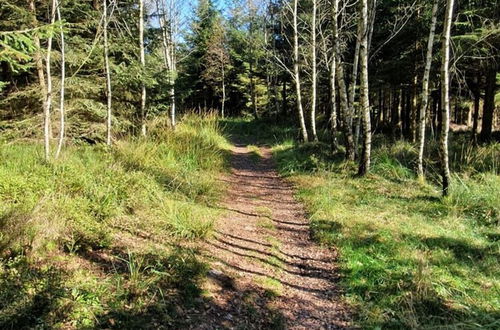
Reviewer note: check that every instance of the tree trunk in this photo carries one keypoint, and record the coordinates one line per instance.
(475, 117)
(395, 114)
(352, 91)
(314, 72)
(489, 104)
(252, 91)
(108, 75)
(333, 68)
(168, 52)
(424, 99)
(300, 110)
(346, 116)
(364, 166)
(62, 90)
(143, 65)
(37, 56)
(223, 90)
(48, 98)
(445, 96)
(284, 106)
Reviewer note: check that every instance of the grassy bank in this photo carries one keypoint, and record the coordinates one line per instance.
(409, 259)
(101, 238)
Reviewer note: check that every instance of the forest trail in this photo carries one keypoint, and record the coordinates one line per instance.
(266, 272)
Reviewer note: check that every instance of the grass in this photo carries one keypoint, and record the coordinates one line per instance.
(101, 237)
(272, 286)
(409, 259)
(255, 153)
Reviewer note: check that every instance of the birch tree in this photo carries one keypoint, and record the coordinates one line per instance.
(143, 66)
(296, 72)
(445, 97)
(48, 94)
(364, 165)
(314, 70)
(168, 24)
(62, 120)
(108, 75)
(425, 90)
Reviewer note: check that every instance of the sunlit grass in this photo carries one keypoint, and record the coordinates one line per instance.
(409, 258)
(93, 239)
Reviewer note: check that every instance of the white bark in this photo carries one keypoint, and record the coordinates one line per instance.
(48, 97)
(352, 89)
(143, 65)
(168, 25)
(364, 166)
(445, 97)
(62, 120)
(223, 89)
(108, 76)
(300, 109)
(425, 90)
(333, 70)
(314, 71)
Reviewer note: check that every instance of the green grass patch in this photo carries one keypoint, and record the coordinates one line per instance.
(93, 239)
(272, 286)
(255, 153)
(266, 223)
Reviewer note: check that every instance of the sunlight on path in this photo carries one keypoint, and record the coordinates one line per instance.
(266, 272)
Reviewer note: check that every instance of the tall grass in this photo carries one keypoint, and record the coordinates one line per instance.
(133, 202)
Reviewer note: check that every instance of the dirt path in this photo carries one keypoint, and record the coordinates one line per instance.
(265, 270)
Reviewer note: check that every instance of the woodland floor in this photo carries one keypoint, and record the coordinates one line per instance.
(265, 271)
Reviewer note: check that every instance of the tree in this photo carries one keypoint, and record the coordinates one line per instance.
(109, 94)
(425, 89)
(314, 69)
(489, 103)
(364, 165)
(445, 96)
(48, 94)
(215, 62)
(167, 20)
(337, 74)
(143, 66)
(296, 72)
(62, 119)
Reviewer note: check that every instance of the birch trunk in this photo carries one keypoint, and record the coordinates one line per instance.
(425, 90)
(333, 75)
(62, 119)
(305, 136)
(445, 97)
(143, 65)
(352, 92)
(333, 102)
(364, 166)
(108, 76)
(173, 64)
(223, 89)
(475, 117)
(314, 72)
(48, 98)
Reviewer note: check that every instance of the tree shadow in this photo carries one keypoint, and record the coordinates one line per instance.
(28, 294)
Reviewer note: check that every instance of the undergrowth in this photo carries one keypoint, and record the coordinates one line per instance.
(100, 237)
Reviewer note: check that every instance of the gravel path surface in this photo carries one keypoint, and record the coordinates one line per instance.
(266, 272)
